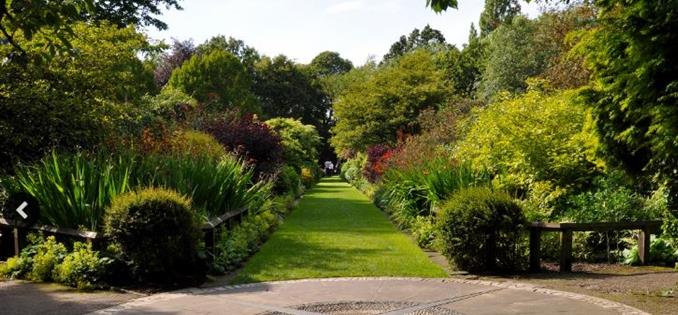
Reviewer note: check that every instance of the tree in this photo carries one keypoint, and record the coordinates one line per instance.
(217, 79)
(181, 51)
(378, 104)
(329, 63)
(74, 101)
(497, 12)
(633, 57)
(300, 142)
(284, 90)
(247, 55)
(23, 19)
(426, 38)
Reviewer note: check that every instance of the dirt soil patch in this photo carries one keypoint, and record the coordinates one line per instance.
(649, 288)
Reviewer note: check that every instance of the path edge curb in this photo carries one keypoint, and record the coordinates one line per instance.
(603, 303)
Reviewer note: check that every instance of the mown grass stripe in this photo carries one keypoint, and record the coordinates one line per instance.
(337, 232)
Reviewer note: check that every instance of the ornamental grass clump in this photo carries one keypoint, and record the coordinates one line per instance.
(74, 189)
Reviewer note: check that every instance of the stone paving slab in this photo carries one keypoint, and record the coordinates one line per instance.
(392, 296)
(25, 298)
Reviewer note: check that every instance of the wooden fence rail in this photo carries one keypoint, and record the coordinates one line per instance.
(18, 231)
(646, 229)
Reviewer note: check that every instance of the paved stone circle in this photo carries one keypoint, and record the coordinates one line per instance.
(365, 308)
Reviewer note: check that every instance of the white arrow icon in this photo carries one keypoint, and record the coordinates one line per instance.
(20, 210)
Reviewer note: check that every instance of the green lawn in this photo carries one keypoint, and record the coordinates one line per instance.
(336, 232)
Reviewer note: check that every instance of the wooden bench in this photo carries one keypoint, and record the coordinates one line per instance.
(18, 231)
(646, 229)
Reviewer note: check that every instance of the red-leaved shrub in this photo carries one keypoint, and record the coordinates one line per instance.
(377, 161)
(250, 139)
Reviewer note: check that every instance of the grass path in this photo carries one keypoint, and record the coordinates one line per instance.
(336, 232)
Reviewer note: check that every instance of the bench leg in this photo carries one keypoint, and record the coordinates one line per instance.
(644, 246)
(566, 251)
(535, 248)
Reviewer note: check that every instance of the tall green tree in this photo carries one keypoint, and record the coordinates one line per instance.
(247, 55)
(380, 104)
(75, 100)
(217, 79)
(633, 57)
(329, 63)
(53, 20)
(426, 38)
(285, 90)
(497, 12)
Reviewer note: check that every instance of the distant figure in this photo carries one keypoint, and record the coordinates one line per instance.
(329, 168)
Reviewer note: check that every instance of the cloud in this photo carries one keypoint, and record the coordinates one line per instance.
(344, 7)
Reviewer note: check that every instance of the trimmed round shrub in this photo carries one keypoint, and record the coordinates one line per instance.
(196, 143)
(158, 235)
(480, 230)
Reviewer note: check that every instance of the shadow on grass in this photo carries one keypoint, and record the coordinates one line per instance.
(297, 257)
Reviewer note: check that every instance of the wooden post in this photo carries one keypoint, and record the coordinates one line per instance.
(17, 250)
(644, 246)
(535, 248)
(566, 251)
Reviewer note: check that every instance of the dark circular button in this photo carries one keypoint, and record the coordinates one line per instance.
(22, 207)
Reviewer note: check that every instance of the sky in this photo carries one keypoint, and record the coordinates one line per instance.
(301, 29)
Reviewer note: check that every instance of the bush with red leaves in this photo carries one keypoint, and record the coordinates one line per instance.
(250, 139)
(377, 161)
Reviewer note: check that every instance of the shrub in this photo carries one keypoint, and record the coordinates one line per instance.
(309, 176)
(15, 267)
(82, 268)
(410, 192)
(159, 236)
(377, 160)
(48, 255)
(424, 231)
(236, 245)
(300, 142)
(250, 139)
(195, 143)
(480, 230)
(288, 182)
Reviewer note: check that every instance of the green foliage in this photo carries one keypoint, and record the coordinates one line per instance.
(288, 181)
(55, 20)
(237, 244)
(73, 190)
(535, 144)
(662, 251)
(300, 142)
(441, 5)
(480, 230)
(214, 186)
(82, 268)
(496, 13)
(196, 143)
(48, 255)
(284, 89)
(170, 104)
(613, 200)
(408, 193)
(634, 64)
(329, 63)
(427, 38)
(377, 105)
(158, 234)
(216, 78)
(73, 101)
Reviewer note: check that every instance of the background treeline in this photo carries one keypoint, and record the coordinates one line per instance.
(569, 116)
